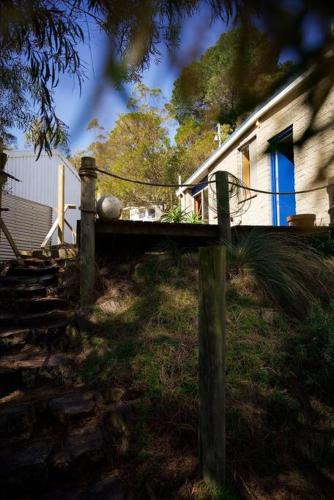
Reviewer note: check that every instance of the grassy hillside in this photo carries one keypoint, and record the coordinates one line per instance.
(280, 419)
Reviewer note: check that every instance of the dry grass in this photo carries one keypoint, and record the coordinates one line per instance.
(278, 379)
(285, 268)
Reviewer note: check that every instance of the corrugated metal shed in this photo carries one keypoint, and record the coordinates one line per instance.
(27, 221)
(39, 182)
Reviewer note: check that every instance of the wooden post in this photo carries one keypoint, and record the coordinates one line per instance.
(61, 189)
(223, 206)
(3, 161)
(212, 275)
(88, 176)
(330, 191)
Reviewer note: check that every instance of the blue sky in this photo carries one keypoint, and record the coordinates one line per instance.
(160, 73)
(77, 110)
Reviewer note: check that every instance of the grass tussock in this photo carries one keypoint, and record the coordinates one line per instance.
(280, 418)
(286, 269)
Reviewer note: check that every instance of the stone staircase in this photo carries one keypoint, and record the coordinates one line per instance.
(54, 441)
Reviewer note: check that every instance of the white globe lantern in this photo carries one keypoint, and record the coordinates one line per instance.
(109, 207)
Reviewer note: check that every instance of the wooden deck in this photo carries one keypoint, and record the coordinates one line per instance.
(117, 236)
(156, 229)
(114, 237)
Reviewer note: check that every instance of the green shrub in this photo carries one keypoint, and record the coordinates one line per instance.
(174, 214)
(193, 218)
(177, 215)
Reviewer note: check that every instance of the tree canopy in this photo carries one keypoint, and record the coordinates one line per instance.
(229, 80)
(139, 147)
(194, 143)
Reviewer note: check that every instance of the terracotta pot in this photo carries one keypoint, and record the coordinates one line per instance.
(301, 220)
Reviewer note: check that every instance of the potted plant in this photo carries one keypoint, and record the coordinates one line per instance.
(305, 221)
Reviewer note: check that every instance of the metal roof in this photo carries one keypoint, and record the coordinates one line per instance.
(14, 153)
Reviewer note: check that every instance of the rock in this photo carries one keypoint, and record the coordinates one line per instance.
(117, 421)
(13, 339)
(83, 446)
(109, 306)
(113, 394)
(71, 406)
(25, 468)
(33, 367)
(16, 422)
(29, 379)
(109, 488)
(268, 315)
(84, 441)
(72, 333)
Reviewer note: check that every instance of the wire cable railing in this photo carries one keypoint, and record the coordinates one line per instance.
(210, 181)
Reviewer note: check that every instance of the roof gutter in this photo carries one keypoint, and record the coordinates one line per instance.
(203, 169)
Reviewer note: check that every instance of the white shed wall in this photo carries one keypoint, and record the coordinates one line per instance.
(39, 183)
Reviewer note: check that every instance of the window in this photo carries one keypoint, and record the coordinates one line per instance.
(248, 166)
(198, 204)
(201, 204)
(205, 205)
(141, 214)
(245, 166)
(151, 213)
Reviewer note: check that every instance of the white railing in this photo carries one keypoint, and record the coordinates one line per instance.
(56, 224)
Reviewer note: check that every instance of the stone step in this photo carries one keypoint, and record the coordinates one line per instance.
(21, 291)
(33, 320)
(12, 340)
(19, 415)
(30, 270)
(24, 471)
(16, 422)
(82, 447)
(60, 404)
(37, 261)
(72, 405)
(33, 368)
(32, 306)
(65, 252)
(45, 280)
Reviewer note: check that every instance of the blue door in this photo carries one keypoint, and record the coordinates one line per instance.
(283, 178)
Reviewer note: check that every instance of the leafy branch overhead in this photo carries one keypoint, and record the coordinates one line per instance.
(38, 45)
(40, 41)
(219, 87)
